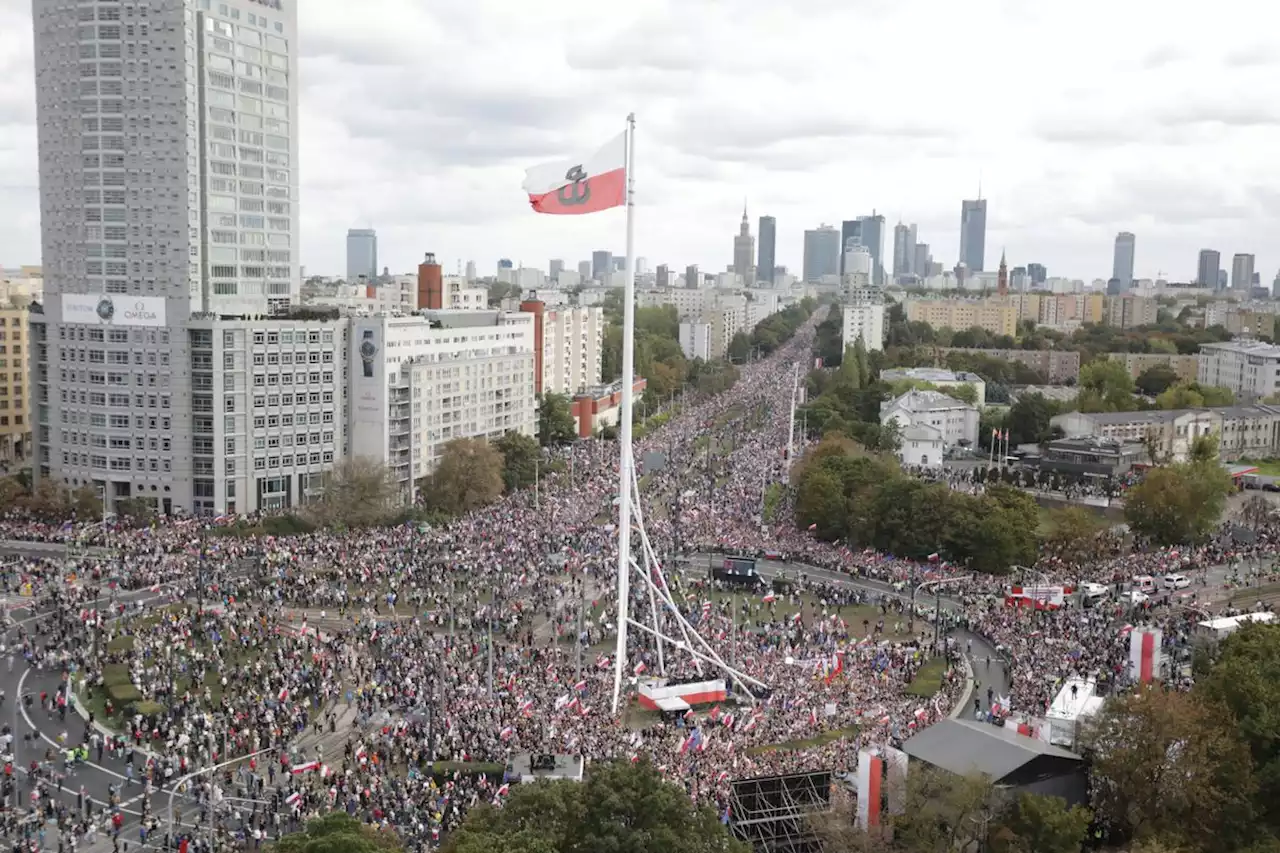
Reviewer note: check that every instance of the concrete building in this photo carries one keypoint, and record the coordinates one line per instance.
(973, 234)
(744, 252)
(997, 318)
(1129, 311)
(568, 346)
(1207, 266)
(822, 253)
(938, 378)
(726, 318)
(695, 340)
(1057, 366)
(1249, 369)
(1123, 258)
(1242, 272)
(600, 407)
(865, 320)
(1186, 366)
(767, 259)
(692, 278)
(15, 382)
(1091, 456)
(416, 383)
(136, 248)
(362, 255)
(1170, 433)
(933, 420)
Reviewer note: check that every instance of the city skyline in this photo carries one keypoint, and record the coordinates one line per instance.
(1061, 182)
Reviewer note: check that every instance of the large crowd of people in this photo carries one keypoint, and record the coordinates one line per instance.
(392, 673)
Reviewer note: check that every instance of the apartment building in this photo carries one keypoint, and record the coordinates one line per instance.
(1251, 431)
(927, 420)
(15, 376)
(1186, 366)
(568, 346)
(1057, 366)
(1071, 310)
(862, 320)
(995, 317)
(938, 378)
(1129, 311)
(726, 318)
(695, 340)
(1249, 369)
(416, 383)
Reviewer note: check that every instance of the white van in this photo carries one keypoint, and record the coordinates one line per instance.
(1176, 581)
(1094, 592)
(1144, 584)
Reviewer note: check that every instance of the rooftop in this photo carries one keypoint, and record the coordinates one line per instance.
(1244, 347)
(965, 746)
(924, 401)
(929, 374)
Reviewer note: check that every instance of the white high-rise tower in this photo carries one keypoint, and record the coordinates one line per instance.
(168, 192)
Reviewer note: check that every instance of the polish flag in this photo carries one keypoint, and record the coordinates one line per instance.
(503, 790)
(1144, 654)
(581, 184)
(769, 599)
(639, 668)
(283, 695)
(303, 768)
(293, 798)
(933, 558)
(813, 717)
(526, 707)
(723, 776)
(580, 686)
(506, 733)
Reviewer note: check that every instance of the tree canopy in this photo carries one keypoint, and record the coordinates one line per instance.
(469, 475)
(1182, 503)
(356, 492)
(338, 832)
(555, 420)
(620, 806)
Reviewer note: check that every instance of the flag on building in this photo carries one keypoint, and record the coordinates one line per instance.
(582, 184)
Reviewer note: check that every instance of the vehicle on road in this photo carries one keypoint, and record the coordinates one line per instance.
(1143, 583)
(737, 571)
(1176, 581)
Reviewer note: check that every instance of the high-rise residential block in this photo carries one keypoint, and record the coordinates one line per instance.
(168, 155)
(15, 382)
(362, 254)
(568, 346)
(823, 251)
(766, 260)
(973, 234)
(1122, 260)
(1129, 311)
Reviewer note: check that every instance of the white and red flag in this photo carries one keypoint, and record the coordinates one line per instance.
(584, 184)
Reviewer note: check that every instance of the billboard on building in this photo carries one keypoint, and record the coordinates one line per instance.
(107, 309)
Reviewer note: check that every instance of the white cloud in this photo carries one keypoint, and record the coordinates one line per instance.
(1080, 119)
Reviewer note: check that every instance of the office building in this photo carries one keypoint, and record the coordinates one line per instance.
(1122, 262)
(922, 265)
(1037, 273)
(822, 250)
(998, 318)
(1207, 266)
(973, 234)
(850, 235)
(505, 264)
(662, 278)
(568, 342)
(692, 278)
(695, 340)
(1249, 369)
(871, 233)
(766, 260)
(1242, 272)
(15, 382)
(904, 250)
(554, 267)
(584, 270)
(744, 252)
(137, 249)
(601, 265)
(471, 271)
(362, 254)
(416, 383)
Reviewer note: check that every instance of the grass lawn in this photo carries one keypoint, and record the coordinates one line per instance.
(928, 678)
(807, 743)
(1266, 467)
(853, 615)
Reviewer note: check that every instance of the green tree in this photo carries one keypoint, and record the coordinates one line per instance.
(338, 832)
(1193, 395)
(356, 492)
(1171, 765)
(820, 502)
(555, 420)
(1176, 504)
(1156, 379)
(740, 347)
(468, 476)
(520, 458)
(1028, 420)
(1040, 824)
(1244, 678)
(1106, 386)
(620, 806)
(1075, 538)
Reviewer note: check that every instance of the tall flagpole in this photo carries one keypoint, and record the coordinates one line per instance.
(624, 416)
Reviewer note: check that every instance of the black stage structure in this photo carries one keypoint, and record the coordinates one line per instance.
(771, 813)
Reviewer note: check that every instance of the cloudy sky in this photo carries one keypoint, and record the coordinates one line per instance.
(1081, 119)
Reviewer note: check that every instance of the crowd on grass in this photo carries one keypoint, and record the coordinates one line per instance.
(393, 673)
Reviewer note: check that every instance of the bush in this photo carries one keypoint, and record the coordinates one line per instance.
(146, 708)
(122, 694)
(116, 673)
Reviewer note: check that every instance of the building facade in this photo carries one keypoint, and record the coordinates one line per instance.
(1249, 369)
(416, 383)
(767, 259)
(168, 155)
(822, 250)
(973, 234)
(15, 383)
(744, 252)
(362, 254)
(1130, 311)
(695, 340)
(1242, 272)
(1186, 366)
(1208, 264)
(568, 346)
(996, 317)
(1057, 366)
(954, 420)
(1122, 260)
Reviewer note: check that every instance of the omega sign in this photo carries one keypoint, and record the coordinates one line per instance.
(113, 309)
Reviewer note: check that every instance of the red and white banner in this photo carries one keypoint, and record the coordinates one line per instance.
(696, 693)
(1040, 597)
(584, 184)
(1144, 654)
(882, 773)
